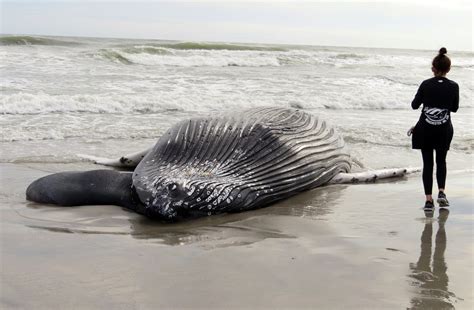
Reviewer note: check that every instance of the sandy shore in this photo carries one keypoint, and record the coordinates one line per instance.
(365, 246)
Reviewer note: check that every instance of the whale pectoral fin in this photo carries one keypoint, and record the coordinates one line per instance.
(127, 161)
(100, 160)
(371, 176)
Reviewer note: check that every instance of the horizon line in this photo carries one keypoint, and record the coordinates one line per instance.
(229, 42)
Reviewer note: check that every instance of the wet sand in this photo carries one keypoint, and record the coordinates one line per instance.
(367, 246)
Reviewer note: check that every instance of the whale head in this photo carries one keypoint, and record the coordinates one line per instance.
(165, 199)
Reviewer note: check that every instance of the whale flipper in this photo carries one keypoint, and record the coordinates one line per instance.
(371, 176)
(126, 161)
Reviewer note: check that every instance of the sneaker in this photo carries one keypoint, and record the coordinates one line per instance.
(429, 205)
(442, 201)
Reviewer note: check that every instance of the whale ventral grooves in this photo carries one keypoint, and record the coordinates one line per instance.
(205, 166)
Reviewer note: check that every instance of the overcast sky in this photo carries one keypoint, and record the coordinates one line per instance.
(418, 24)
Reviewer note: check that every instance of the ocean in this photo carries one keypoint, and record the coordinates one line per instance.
(62, 96)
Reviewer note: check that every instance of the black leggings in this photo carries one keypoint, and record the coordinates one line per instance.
(428, 169)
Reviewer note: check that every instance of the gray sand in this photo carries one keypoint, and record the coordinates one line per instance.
(365, 246)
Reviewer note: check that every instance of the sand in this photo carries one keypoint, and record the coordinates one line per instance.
(366, 246)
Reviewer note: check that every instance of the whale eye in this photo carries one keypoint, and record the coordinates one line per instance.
(172, 187)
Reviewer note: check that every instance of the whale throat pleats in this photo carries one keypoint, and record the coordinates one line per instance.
(204, 166)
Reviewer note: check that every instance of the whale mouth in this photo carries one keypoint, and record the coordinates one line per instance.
(162, 198)
(166, 212)
(156, 208)
(164, 208)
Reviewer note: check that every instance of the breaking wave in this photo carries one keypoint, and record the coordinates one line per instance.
(159, 101)
(114, 56)
(394, 81)
(348, 56)
(29, 40)
(219, 46)
(168, 55)
(153, 56)
(147, 49)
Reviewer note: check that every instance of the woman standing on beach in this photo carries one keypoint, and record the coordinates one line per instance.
(434, 130)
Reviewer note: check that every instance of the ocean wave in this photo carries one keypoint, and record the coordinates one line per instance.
(348, 56)
(146, 49)
(29, 40)
(395, 81)
(157, 102)
(113, 56)
(331, 59)
(222, 55)
(42, 103)
(218, 46)
(465, 66)
(145, 55)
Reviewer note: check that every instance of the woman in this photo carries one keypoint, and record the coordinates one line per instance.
(434, 130)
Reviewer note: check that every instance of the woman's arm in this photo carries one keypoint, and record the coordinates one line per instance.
(418, 100)
(455, 106)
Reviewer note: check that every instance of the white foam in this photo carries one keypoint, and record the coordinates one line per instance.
(59, 93)
(207, 58)
(138, 96)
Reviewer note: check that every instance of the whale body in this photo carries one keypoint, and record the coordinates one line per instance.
(211, 165)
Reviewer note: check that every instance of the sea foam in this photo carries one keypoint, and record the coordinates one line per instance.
(89, 90)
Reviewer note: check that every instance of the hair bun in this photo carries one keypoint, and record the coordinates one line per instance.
(443, 51)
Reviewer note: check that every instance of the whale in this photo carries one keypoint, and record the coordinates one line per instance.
(203, 166)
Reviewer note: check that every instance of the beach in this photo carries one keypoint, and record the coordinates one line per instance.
(344, 246)
(354, 246)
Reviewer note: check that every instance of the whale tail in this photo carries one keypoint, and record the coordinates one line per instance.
(371, 176)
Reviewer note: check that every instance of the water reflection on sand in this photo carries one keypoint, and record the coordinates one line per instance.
(429, 274)
(222, 230)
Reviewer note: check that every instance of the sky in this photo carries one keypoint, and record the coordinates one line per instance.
(417, 24)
